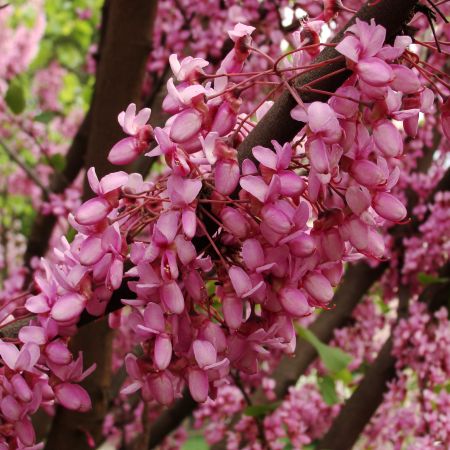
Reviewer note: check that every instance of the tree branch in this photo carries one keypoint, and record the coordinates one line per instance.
(119, 80)
(28, 170)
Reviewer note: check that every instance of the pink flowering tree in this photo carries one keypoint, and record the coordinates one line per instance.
(248, 228)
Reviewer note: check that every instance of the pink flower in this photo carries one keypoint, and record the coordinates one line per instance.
(131, 122)
(318, 287)
(389, 207)
(188, 67)
(388, 139)
(73, 397)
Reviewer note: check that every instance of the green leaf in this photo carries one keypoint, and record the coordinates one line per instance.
(261, 410)
(58, 162)
(344, 375)
(70, 235)
(426, 279)
(45, 117)
(195, 443)
(333, 358)
(327, 388)
(15, 97)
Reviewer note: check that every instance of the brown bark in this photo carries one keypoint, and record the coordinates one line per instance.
(43, 225)
(120, 75)
(171, 419)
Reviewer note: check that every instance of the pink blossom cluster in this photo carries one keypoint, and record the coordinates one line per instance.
(429, 254)
(219, 279)
(20, 44)
(223, 257)
(419, 417)
(364, 338)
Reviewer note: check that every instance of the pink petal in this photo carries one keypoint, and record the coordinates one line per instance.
(172, 297)
(162, 352)
(28, 356)
(275, 218)
(350, 47)
(58, 353)
(318, 287)
(25, 432)
(115, 274)
(37, 304)
(21, 388)
(235, 222)
(294, 302)
(92, 211)
(375, 71)
(318, 156)
(232, 308)
(388, 139)
(302, 245)
(240, 280)
(10, 408)
(124, 152)
(33, 334)
(9, 353)
(226, 176)
(186, 125)
(358, 199)
(91, 251)
(389, 207)
(142, 117)
(167, 225)
(265, 156)
(204, 352)
(252, 253)
(162, 389)
(185, 250)
(291, 184)
(224, 120)
(68, 307)
(154, 317)
(255, 185)
(405, 79)
(93, 180)
(113, 181)
(368, 173)
(73, 397)
(198, 385)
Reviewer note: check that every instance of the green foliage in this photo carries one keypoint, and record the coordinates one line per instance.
(15, 96)
(17, 207)
(261, 410)
(327, 387)
(45, 117)
(334, 359)
(195, 443)
(426, 279)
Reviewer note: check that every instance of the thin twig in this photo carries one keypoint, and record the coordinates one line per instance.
(21, 163)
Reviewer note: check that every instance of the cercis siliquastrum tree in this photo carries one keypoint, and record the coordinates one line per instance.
(222, 254)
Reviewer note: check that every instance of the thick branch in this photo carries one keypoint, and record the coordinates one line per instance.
(119, 80)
